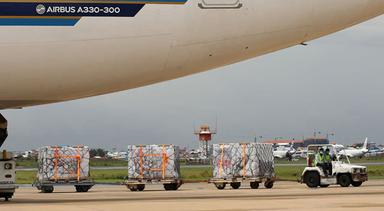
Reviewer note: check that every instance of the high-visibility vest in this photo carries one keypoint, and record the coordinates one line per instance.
(319, 159)
(327, 158)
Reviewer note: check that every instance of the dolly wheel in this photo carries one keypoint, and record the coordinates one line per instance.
(133, 187)
(47, 189)
(268, 184)
(141, 187)
(235, 185)
(220, 186)
(171, 186)
(254, 185)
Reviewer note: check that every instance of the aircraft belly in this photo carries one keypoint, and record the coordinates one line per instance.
(162, 42)
(66, 70)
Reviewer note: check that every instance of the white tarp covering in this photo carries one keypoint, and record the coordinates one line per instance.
(63, 163)
(247, 160)
(153, 162)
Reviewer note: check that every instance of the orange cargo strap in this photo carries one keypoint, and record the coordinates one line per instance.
(78, 163)
(164, 162)
(244, 160)
(221, 160)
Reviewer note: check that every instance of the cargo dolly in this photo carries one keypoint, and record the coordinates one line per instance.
(63, 166)
(237, 163)
(151, 164)
(48, 186)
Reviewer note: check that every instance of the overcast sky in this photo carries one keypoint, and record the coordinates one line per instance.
(335, 84)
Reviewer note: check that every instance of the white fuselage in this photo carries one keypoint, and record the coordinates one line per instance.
(44, 64)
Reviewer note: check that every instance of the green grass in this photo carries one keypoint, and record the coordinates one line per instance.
(196, 174)
(191, 174)
(107, 163)
(26, 163)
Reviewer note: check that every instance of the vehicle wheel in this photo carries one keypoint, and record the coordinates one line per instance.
(47, 189)
(235, 185)
(268, 184)
(132, 187)
(344, 180)
(356, 184)
(312, 179)
(81, 188)
(141, 187)
(324, 186)
(171, 186)
(254, 185)
(6, 198)
(220, 186)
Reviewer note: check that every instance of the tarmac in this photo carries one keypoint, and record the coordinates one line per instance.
(202, 197)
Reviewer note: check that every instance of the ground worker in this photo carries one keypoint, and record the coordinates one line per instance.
(319, 158)
(327, 162)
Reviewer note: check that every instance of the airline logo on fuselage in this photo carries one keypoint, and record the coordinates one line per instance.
(69, 12)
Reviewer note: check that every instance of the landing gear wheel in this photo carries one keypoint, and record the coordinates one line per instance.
(344, 180)
(312, 179)
(220, 186)
(357, 184)
(254, 185)
(47, 189)
(141, 187)
(268, 184)
(235, 185)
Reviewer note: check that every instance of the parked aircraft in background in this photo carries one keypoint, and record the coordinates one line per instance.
(284, 151)
(353, 152)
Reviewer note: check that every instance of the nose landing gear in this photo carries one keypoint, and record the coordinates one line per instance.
(3, 129)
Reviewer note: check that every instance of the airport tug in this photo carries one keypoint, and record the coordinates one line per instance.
(341, 173)
(7, 175)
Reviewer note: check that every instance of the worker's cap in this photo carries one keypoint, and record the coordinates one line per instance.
(321, 150)
(327, 150)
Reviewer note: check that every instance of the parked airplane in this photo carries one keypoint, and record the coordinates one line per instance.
(284, 152)
(353, 152)
(58, 50)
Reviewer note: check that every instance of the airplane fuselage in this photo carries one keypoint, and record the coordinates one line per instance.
(98, 55)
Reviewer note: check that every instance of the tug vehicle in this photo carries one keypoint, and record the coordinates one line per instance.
(342, 173)
(7, 175)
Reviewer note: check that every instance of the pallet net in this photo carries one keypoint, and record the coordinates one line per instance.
(242, 160)
(63, 163)
(153, 162)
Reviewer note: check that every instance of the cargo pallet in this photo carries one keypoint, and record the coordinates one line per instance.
(48, 186)
(139, 184)
(237, 181)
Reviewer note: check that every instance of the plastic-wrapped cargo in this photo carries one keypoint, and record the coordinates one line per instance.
(242, 160)
(63, 163)
(153, 162)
